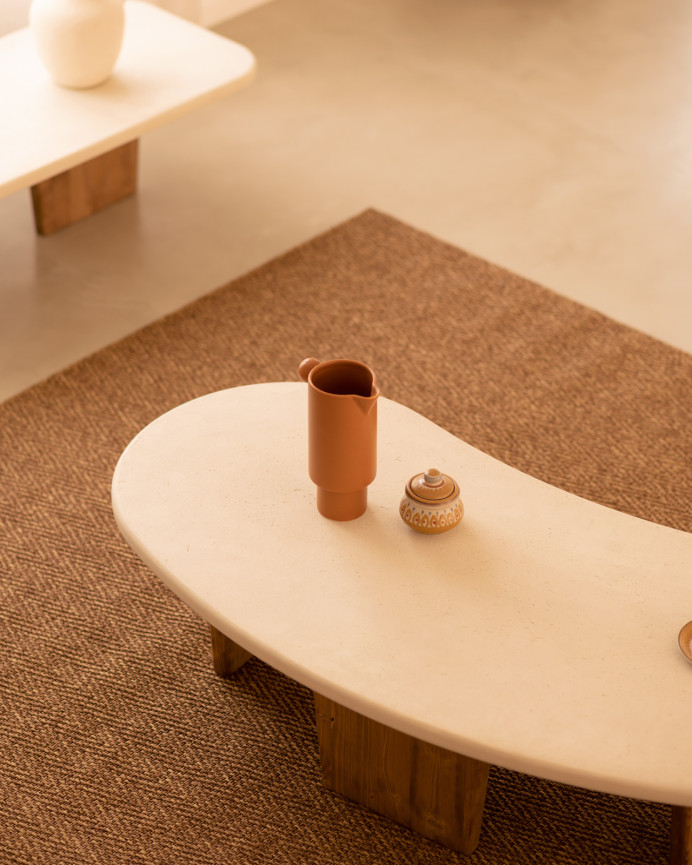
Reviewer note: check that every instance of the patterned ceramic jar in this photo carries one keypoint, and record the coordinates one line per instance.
(431, 503)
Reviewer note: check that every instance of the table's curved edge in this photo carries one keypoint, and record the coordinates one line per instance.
(569, 775)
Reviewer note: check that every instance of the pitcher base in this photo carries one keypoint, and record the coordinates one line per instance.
(342, 506)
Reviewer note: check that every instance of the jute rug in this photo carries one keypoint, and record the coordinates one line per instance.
(118, 744)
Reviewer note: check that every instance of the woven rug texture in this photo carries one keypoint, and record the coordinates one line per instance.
(118, 743)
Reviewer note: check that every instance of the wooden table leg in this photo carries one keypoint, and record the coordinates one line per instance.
(227, 655)
(681, 836)
(433, 791)
(84, 189)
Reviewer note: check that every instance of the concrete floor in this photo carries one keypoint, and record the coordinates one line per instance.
(553, 138)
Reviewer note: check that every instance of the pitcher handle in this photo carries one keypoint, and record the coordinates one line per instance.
(306, 367)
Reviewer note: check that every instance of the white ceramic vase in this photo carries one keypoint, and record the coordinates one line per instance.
(78, 41)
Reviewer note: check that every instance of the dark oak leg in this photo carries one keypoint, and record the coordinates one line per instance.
(84, 189)
(228, 656)
(681, 836)
(433, 791)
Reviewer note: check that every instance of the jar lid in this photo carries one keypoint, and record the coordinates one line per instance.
(432, 486)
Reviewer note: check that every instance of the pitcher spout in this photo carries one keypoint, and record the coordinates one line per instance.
(367, 403)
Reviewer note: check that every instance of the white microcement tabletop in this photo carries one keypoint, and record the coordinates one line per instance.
(167, 67)
(540, 635)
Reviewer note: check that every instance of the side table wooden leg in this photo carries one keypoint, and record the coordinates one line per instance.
(228, 656)
(433, 791)
(84, 189)
(681, 836)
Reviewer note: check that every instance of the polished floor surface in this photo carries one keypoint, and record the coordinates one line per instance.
(554, 139)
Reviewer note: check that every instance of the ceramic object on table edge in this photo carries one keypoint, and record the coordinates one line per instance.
(685, 641)
(431, 503)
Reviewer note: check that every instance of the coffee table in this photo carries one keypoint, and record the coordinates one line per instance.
(540, 635)
(77, 149)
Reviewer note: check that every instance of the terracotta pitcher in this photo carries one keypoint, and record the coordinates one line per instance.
(342, 434)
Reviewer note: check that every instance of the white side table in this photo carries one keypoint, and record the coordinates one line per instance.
(77, 149)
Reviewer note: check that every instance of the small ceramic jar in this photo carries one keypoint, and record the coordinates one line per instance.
(431, 503)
